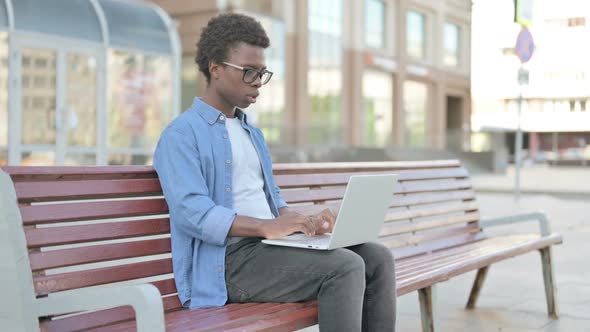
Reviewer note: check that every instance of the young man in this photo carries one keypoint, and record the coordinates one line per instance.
(216, 173)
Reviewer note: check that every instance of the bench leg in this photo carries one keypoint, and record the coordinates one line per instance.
(549, 279)
(477, 285)
(428, 309)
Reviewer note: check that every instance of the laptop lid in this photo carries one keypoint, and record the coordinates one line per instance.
(363, 209)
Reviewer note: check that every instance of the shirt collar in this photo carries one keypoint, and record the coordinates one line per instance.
(212, 115)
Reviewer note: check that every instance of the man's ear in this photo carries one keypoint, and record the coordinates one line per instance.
(214, 69)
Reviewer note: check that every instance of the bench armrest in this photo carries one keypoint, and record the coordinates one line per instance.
(540, 217)
(145, 300)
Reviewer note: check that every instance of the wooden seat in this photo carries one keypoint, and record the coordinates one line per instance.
(94, 226)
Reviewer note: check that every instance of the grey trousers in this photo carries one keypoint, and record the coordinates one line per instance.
(355, 287)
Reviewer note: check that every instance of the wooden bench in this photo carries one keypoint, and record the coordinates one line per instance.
(81, 228)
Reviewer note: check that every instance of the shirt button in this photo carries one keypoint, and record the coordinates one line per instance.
(225, 136)
(221, 117)
(220, 269)
(228, 189)
(228, 161)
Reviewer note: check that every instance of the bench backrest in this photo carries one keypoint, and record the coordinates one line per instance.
(89, 226)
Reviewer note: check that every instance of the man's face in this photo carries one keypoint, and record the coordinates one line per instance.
(230, 84)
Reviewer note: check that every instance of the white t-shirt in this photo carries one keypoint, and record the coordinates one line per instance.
(247, 179)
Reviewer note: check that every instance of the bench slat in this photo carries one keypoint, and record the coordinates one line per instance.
(100, 318)
(71, 280)
(416, 212)
(311, 195)
(52, 213)
(431, 197)
(420, 244)
(396, 228)
(333, 167)
(56, 190)
(511, 249)
(327, 179)
(50, 236)
(97, 253)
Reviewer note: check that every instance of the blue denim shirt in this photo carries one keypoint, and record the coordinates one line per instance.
(193, 160)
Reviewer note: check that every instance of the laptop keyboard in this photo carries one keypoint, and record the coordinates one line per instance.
(319, 240)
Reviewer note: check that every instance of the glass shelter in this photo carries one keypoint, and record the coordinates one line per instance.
(85, 82)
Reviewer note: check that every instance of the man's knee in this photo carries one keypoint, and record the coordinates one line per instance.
(348, 262)
(379, 256)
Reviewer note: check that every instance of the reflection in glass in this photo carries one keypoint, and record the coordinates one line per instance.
(269, 107)
(130, 159)
(80, 112)
(378, 102)
(374, 23)
(416, 35)
(415, 102)
(38, 158)
(38, 100)
(140, 100)
(324, 78)
(451, 45)
(80, 159)
(3, 92)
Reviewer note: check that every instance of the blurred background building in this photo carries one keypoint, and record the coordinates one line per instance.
(354, 79)
(556, 101)
(87, 82)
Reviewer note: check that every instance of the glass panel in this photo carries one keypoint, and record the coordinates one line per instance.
(268, 109)
(325, 73)
(140, 99)
(3, 15)
(67, 18)
(190, 78)
(130, 159)
(415, 102)
(3, 157)
(38, 158)
(80, 113)
(80, 159)
(451, 41)
(374, 23)
(416, 35)
(3, 89)
(135, 25)
(38, 96)
(378, 97)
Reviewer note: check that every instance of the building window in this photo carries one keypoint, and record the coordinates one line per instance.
(416, 34)
(378, 108)
(415, 103)
(324, 78)
(452, 40)
(375, 23)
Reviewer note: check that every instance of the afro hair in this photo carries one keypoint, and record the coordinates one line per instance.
(224, 32)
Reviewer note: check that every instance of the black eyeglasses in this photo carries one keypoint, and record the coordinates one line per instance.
(251, 74)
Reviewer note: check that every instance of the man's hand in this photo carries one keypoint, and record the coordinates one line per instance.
(325, 220)
(289, 223)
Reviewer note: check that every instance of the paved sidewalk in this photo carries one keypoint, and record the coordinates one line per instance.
(513, 297)
(538, 179)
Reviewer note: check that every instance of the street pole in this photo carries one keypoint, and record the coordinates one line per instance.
(518, 140)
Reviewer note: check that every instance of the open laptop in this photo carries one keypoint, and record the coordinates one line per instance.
(361, 215)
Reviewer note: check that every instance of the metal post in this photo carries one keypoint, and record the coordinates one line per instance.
(518, 141)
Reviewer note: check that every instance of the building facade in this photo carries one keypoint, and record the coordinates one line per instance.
(555, 111)
(351, 73)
